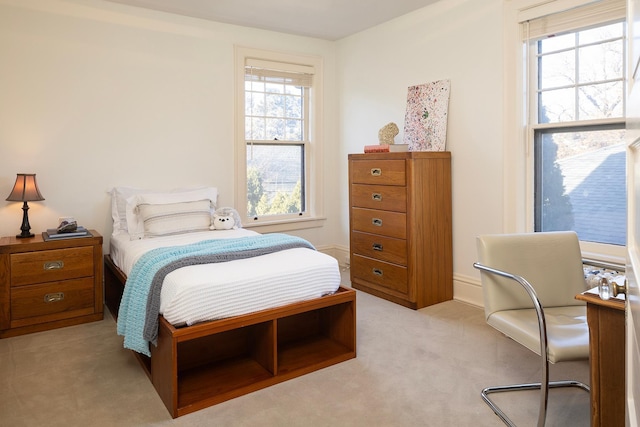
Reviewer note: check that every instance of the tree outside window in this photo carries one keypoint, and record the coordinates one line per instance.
(579, 136)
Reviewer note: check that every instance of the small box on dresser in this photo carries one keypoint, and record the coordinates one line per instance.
(49, 284)
(400, 226)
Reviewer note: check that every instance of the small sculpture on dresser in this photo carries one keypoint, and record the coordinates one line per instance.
(387, 134)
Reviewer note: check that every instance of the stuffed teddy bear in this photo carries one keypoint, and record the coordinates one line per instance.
(226, 219)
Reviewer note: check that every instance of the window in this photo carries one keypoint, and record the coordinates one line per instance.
(278, 149)
(576, 104)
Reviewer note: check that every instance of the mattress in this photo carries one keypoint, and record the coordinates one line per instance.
(214, 291)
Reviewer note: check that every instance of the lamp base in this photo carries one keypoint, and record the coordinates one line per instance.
(26, 228)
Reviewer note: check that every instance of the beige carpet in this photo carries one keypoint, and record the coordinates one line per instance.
(414, 368)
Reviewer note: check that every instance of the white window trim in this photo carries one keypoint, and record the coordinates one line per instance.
(517, 148)
(314, 150)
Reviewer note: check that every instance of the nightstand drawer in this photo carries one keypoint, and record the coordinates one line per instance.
(380, 247)
(51, 301)
(385, 197)
(392, 224)
(381, 273)
(381, 172)
(51, 265)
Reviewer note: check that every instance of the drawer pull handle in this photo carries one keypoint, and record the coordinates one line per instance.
(377, 247)
(376, 171)
(53, 297)
(377, 197)
(377, 222)
(377, 272)
(53, 265)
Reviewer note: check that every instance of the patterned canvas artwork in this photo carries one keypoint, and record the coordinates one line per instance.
(425, 123)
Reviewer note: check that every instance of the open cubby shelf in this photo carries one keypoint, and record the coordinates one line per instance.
(197, 366)
(219, 379)
(233, 357)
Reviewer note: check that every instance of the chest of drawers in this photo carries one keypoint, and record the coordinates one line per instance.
(49, 284)
(400, 226)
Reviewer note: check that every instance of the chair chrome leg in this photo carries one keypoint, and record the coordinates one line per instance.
(529, 386)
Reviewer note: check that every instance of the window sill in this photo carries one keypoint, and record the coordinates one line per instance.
(286, 225)
(608, 254)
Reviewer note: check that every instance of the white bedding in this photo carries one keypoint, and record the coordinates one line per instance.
(214, 291)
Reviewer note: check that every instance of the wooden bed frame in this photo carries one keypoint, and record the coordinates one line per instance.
(201, 365)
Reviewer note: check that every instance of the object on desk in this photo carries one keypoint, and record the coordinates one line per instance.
(67, 227)
(53, 234)
(611, 288)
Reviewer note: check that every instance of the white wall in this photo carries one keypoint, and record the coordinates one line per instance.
(459, 40)
(95, 94)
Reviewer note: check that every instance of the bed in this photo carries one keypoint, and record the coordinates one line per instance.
(226, 328)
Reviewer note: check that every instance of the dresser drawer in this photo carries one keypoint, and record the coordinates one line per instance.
(385, 197)
(52, 265)
(384, 172)
(391, 224)
(51, 301)
(379, 247)
(380, 273)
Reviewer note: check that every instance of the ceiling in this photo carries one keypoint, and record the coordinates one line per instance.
(325, 19)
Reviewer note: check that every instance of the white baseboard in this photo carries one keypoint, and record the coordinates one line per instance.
(465, 289)
(340, 253)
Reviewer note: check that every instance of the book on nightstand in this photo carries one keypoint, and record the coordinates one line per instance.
(53, 234)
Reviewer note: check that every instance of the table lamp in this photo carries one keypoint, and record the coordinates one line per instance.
(25, 190)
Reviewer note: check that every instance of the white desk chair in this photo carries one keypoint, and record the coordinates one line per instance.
(529, 284)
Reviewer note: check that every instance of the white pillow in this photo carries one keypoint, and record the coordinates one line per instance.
(135, 223)
(119, 196)
(175, 218)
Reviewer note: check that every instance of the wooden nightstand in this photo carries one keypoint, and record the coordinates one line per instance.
(49, 284)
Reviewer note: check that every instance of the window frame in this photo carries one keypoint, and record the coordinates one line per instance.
(576, 125)
(313, 216)
(519, 185)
